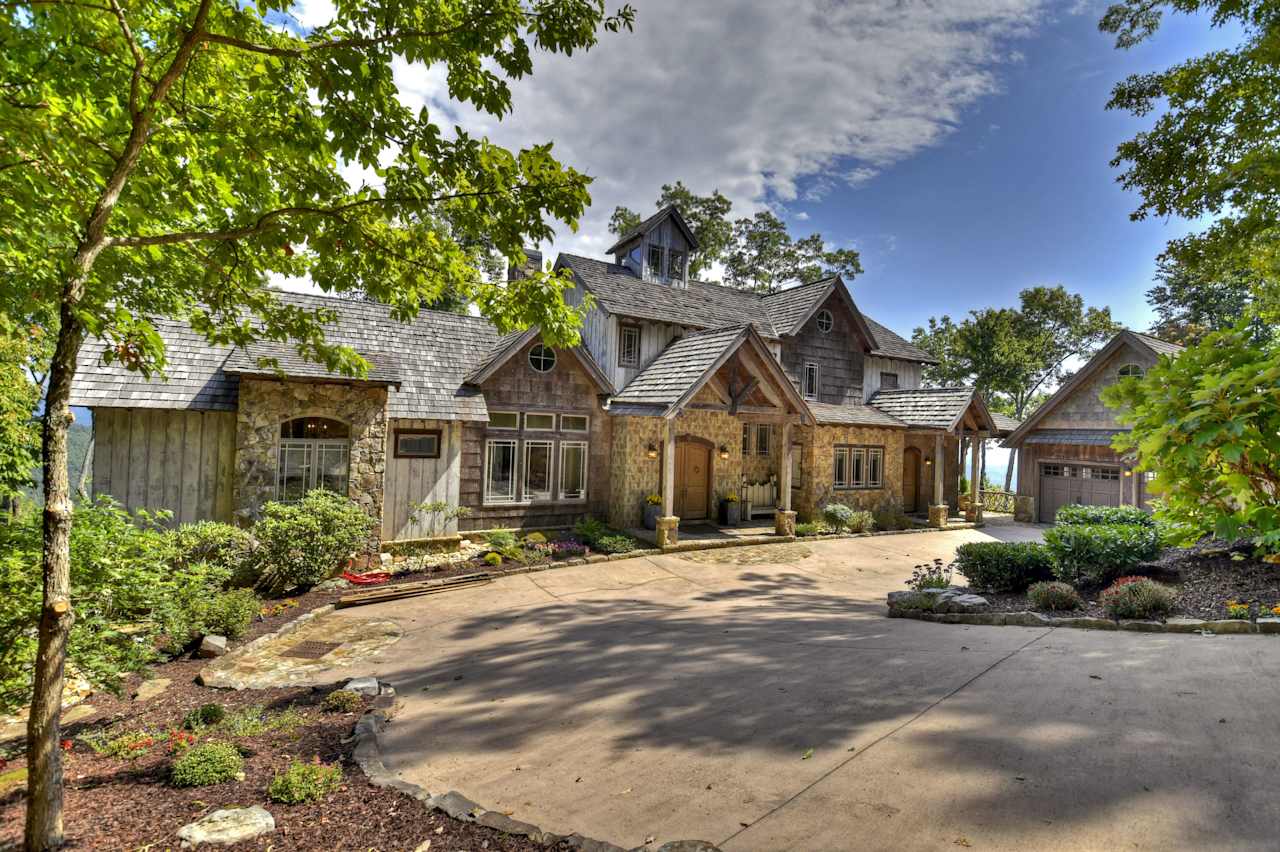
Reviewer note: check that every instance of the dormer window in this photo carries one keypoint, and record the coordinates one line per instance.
(655, 261)
(1131, 371)
(675, 265)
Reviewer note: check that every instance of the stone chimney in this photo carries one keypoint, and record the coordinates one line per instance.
(534, 263)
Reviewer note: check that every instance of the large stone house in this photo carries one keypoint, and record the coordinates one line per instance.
(1064, 446)
(683, 389)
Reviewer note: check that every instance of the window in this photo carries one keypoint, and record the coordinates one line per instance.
(746, 438)
(811, 381)
(314, 453)
(504, 420)
(573, 470)
(1052, 470)
(629, 346)
(655, 260)
(500, 472)
(539, 422)
(537, 470)
(574, 422)
(417, 443)
(889, 381)
(858, 467)
(858, 459)
(675, 265)
(824, 321)
(1108, 473)
(875, 467)
(542, 358)
(840, 478)
(764, 432)
(1132, 371)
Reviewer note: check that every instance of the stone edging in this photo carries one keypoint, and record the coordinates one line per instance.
(218, 682)
(1231, 626)
(368, 756)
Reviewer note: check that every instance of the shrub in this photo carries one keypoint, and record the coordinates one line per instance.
(616, 544)
(230, 613)
(1236, 609)
(1137, 597)
(494, 559)
(304, 782)
(590, 531)
(204, 716)
(889, 515)
(837, 515)
(220, 545)
(862, 521)
(567, 549)
(309, 541)
(1097, 554)
(205, 764)
(535, 538)
(1081, 515)
(501, 539)
(930, 575)
(810, 528)
(1004, 566)
(342, 701)
(1054, 596)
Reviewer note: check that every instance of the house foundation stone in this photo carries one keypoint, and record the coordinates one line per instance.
(668, 531)
(938, 516)
(1024, 508)
(784, 523)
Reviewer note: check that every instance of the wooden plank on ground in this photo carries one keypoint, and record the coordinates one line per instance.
(409, 590)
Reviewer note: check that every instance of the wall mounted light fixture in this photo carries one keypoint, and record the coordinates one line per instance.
(652, 450)
(724, 451)
(1128, 473)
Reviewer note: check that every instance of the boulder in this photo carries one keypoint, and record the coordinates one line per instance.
(212, 646)
(369, 686)
(950, 601)
(227, 826)
(149, 689)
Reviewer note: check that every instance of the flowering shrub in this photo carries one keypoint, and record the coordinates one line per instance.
(1235, 609)
(837, 516)
(930, 575)
(1054, 596)
(568, 549)
(1137, 597)
(180, 741)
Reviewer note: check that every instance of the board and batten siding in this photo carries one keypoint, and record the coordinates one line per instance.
(909, 374)
(157, 458)
(411, 481)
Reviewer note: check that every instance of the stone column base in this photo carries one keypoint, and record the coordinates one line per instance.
(973, 514)
(668, 531)
(784, 523)
(938, 516)
(1024, 508)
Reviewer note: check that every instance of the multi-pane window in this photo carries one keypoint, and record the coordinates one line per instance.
(889, 381)
(825, 321)
(1131, 371)
(542, 358)
(500, 471)
(417, 443)
(747, 432)
(629, 346)
(675, 265)
(810, 388)
(537, 470)
(655, 260)
(764, 435)
(858, 467)
(573, 470)
(314, 453)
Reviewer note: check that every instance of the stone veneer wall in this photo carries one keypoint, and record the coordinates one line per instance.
(635, 475)
(817, 468)
(950, 471)
(267, 403)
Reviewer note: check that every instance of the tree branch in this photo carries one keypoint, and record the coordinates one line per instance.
(19, 3)
(342, 43)
(138, 62)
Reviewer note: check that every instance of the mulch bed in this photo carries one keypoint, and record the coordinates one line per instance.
(1205, 577)
(113, 803)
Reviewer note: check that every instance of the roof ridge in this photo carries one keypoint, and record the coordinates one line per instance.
(828, 279)
(364, 305)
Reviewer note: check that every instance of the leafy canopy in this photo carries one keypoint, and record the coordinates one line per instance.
(166, 159)
(19, 396)
(1190, 302)
(758, 252)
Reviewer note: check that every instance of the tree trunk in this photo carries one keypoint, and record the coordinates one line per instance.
(982, 468)
(1008, 471)
(44, 757)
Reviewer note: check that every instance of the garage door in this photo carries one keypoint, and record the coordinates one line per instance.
(1068, 484)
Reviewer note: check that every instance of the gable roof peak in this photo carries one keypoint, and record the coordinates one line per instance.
(670, 211)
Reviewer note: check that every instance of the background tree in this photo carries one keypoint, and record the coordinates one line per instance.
(939, 340)
(758, 252)
(1189, 305)
(19, 398)
(162, 159)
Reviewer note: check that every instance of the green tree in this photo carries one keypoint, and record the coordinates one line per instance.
(1213, 150)
(939, 340)
(164, 158)
(19, 398)
(1189, 305)
(706, 215)
(1207, 423)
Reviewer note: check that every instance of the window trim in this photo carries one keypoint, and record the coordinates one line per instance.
(767, 430)
(395, 443)
(551, 428)
(674, 273)
(515, 414)
(548, 495)
(858, 465)
(584, 430)
(544, 349)
(824, 317)
(487, 498)
(1136, 371)
(650, 268)
(886, 373)
(623, 328)
(586, 471)
(748, 439)
(810, 366)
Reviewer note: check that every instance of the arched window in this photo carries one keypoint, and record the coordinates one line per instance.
(825, 321)
(542, 358)
(1132, 371)
(314, 453)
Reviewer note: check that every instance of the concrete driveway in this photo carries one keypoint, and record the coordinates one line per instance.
(757, 698)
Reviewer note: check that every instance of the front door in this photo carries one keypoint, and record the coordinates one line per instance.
(693, 480)
(910, 479)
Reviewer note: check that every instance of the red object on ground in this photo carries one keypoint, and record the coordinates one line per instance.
(370, 579)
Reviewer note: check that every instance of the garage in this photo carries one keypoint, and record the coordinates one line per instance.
(1071, 484)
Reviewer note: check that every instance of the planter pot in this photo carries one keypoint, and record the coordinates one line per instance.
(730, 513)
(651, 515)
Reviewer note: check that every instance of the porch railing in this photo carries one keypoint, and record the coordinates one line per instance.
(998, 501)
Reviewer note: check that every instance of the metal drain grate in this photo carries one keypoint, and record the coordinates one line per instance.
(311, 649)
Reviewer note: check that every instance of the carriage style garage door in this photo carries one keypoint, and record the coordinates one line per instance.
(1064, 484)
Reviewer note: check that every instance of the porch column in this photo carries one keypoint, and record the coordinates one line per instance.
(938, 509)
(784, 518)
(668, 524)
(974, 513)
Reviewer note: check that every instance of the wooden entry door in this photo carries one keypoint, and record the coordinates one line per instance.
(910, 479)
(693, 480)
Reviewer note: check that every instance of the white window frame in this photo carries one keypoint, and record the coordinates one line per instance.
(1131, 371)
(579, 494)
(810, 368)
(839, 453)
(501, 499)
(586, 418)
(515, 414)
(529, 428)
(624, 330)
(875, 455)
(528, 495)
(767, 431)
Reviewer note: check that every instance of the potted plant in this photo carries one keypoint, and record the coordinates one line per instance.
(652, 511)
(730, 510)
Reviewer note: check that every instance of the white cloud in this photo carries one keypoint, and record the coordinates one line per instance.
(801, 216)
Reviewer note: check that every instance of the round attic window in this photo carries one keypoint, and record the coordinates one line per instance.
(542, 358)
(824, 321)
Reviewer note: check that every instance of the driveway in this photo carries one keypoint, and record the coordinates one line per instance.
(757, 698)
